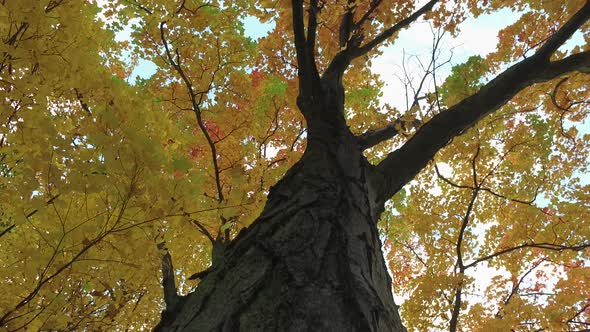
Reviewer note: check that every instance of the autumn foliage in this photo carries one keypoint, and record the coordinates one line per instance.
(103, 175)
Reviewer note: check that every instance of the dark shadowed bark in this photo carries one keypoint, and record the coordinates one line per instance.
(312, 261)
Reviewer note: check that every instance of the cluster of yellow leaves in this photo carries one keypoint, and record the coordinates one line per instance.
(96, 172)
(74, 172)
(530, 30)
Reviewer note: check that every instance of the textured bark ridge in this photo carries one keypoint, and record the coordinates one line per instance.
(311, 262)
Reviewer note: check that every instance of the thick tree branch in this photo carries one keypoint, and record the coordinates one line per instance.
(306, 68)
(341, 61)
(371, 138)
(400, 166)
(346, 25)
(564, 33)
(383, 36)
(577, 62)
(312, 26)
(299, 33)
(367, 14)
(171, 297)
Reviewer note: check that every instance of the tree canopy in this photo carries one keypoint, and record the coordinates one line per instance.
(111, 189)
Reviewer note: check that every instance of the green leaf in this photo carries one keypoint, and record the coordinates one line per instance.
(88, 286)
(275, 86)
(181, 164)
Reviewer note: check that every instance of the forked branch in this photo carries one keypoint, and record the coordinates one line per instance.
(373, 137)
(341, 61)
(400, 166)
(305, 46)
(383, 36)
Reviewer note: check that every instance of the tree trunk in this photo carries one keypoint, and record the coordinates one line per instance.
(311, 262)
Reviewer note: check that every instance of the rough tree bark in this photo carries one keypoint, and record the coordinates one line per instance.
(312, 261)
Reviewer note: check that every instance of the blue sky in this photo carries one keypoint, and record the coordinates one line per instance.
(477, 37)
(255, 29)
